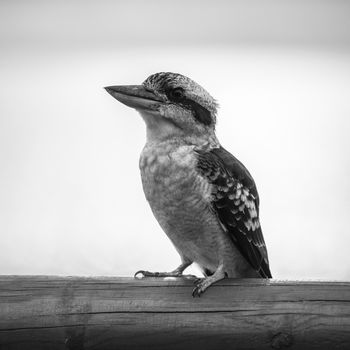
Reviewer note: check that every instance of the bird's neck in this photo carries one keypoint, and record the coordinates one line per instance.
(176, 141)
(160, 131)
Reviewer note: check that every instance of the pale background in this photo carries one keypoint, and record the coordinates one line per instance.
(71, 201)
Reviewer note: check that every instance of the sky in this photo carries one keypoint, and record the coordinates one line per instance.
(71, 199)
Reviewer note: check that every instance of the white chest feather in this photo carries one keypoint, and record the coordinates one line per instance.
(170, 178)
(179, 198)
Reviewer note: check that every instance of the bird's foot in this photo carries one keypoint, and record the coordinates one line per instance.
(202, 284)
(175, 273)
(144, 273)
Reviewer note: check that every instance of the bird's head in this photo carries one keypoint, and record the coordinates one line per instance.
(171, 105)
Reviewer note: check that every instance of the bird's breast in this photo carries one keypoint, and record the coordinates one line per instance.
(174, 189)
(180, 200)
(170, 178)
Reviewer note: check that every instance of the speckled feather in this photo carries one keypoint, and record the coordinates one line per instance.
(236, 203)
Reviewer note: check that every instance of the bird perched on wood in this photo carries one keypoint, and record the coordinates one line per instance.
(203, 197)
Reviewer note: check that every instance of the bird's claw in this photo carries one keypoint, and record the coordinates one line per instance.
(157, 274)
(145, 274)
(197, 291)
(175, 273)
(201, 286)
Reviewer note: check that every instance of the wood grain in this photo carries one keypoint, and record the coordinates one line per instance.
(47, 312)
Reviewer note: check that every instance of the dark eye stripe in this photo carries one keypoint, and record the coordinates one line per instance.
(200, 113)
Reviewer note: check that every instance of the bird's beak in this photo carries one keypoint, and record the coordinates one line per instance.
(135, 96)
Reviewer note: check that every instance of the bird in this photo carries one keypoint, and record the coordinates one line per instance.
(203, 197)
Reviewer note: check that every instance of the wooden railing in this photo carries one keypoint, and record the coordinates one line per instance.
(43, 312)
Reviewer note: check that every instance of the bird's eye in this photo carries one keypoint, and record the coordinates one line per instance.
(177, 94)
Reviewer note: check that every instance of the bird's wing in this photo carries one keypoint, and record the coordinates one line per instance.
(235, 201)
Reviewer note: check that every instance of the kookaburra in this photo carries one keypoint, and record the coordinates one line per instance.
(203, 197)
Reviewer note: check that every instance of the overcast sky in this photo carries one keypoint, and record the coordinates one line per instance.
(71, 199)
(110, 24)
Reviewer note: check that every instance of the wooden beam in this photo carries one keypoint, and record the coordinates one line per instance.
(45, 312)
